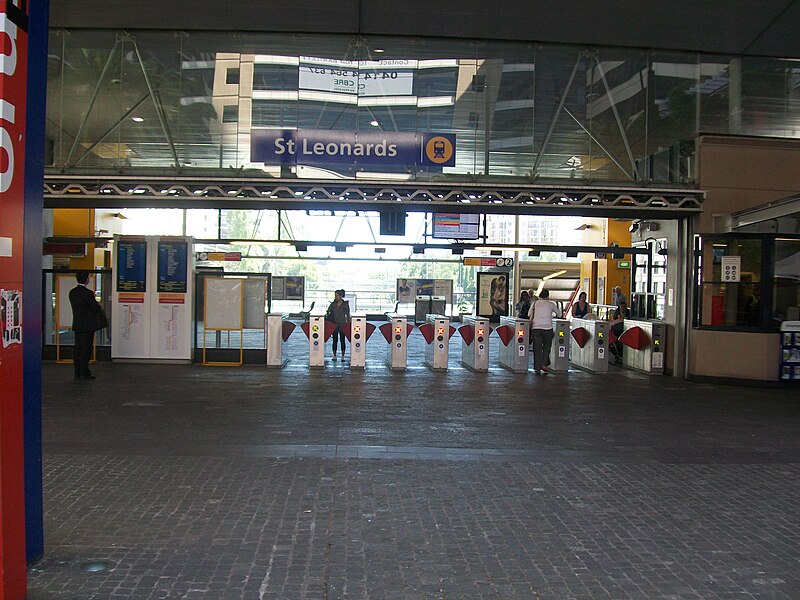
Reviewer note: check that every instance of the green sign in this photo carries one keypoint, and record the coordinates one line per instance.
(624, 264)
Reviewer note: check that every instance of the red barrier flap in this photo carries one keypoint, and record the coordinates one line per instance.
(409, 329)
(426, 329)
(288, 328)
(370, 330)
(506, 334)
(386, 330)
(467, 333)
(612, 337)
(345, 327)
(304, 327)
(452, 332)
(581, 335)
(329, 329)
(635, 338)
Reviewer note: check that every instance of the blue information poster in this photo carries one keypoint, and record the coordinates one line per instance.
(131, 265)
(172, 266)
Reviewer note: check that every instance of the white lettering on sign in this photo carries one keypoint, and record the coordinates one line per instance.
(8, 66)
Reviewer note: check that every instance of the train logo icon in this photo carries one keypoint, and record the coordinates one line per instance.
(439, 150)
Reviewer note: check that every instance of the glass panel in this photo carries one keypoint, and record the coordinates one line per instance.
(786, 291)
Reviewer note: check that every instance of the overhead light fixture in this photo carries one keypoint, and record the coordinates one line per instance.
(618, 254)
(137, 119)
(572, 254)
(374, 123)
(300, 247)
(380, 250)
(505, 248)
(496, 253)
(379, 50)
(458, 250)
(258, 243)
(340, 247)
(535, 253)
(418, 249)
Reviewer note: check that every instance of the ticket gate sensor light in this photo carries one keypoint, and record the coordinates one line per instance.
(437, 332)
(396, 333)
(279, 328)
(559, 351)
(475, 334)
(358, 332)
(318, 331)
(514, 343)
(589, 345)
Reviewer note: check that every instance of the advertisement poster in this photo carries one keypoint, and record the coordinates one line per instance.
(131, 266)
(295, 288)
(492, 295)
(406, 290)
(424, 287)
(172, 266)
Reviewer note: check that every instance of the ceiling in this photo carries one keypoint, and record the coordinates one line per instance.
(769, 28)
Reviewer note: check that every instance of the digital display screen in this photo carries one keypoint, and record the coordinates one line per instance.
(456, 226)
(131, 266)
(172, 266)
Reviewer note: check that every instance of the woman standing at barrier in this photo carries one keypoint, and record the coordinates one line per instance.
(338, 313)
(541, 315)
(524, 305)
(581, 308)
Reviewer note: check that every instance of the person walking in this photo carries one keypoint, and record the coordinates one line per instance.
(541, 316)
(87, 317)
(339, 314)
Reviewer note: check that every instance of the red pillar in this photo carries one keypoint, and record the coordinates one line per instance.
(13, 79)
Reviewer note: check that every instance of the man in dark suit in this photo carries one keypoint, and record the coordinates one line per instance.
(84, 323)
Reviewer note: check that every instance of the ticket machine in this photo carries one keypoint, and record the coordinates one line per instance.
(589, 345)
(279, 328)
(437, 331)
(396, 333)
(514, 340)
(358, 332)
(475, 343)
(559, 351)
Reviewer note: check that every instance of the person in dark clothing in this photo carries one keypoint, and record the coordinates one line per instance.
(85, 311)
(524, 305)
(617, 322)
(338, 313)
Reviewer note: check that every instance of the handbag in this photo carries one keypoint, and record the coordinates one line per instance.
(100, 320)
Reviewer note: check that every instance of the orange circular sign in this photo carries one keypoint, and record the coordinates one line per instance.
(439, 149)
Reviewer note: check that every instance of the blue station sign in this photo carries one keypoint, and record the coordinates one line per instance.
(313, 147)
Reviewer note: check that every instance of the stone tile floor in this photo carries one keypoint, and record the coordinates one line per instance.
(225, 483)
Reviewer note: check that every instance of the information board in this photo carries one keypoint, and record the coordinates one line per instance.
(223, 303)
(456, 226)
(172, 266)
(131, 265)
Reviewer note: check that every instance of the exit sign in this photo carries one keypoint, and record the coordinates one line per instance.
(624, 264)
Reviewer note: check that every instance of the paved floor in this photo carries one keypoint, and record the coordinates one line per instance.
(222, 483)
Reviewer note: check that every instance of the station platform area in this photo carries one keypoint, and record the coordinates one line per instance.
(222, 483)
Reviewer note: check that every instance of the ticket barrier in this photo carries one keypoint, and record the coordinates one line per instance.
(644, 343)
(279, 328)
(396, 333)
(589, 345)
(559, 351)
(437, 331)
(514, 340)
(475, 334)
(318, 331)
(358, 332)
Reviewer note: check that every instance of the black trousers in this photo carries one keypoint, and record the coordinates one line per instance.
(336, 336)
(84, 341)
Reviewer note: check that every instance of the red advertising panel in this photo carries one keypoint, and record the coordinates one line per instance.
(13, 78)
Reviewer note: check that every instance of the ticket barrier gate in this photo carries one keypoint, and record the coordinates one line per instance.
(644, 343)
(514, 340)
(318, 331)
(279, 328)
(559, 350)
(396, 333)
(358, 332)
(437, 331)
(475, 334)
(589, 345)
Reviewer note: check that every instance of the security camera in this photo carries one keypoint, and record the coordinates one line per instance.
(634, 227)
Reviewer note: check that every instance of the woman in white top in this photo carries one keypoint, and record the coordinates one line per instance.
(541, 315)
